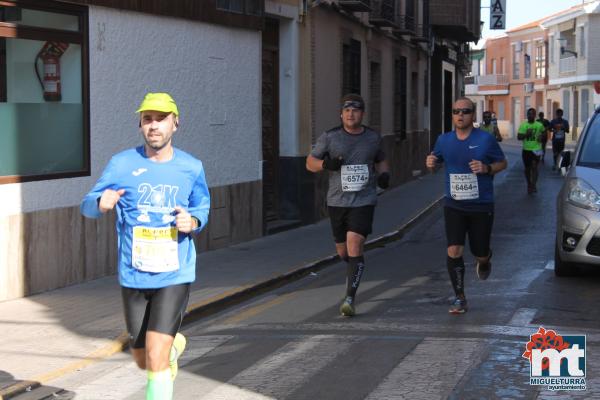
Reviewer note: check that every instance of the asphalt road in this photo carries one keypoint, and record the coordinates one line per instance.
(403, 344)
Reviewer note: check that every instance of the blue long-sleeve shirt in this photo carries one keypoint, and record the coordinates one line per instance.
(152, 253)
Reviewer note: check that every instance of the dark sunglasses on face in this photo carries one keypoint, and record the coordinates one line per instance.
(465, 111)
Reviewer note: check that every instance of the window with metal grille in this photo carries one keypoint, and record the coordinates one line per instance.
(375, 96)
(351, 67)
(540, 60)
(585, 105)
(581, 41)
(526, 61)
(400, 101)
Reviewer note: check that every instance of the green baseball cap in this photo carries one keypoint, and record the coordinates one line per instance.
(158, 102)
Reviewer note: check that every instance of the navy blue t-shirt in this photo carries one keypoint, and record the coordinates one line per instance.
(470, 192)
(559, 127)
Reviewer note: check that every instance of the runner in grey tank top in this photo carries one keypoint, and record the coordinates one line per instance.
(353, 156)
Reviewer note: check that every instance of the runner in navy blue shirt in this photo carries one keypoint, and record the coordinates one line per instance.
(471, 157)
(559, 127)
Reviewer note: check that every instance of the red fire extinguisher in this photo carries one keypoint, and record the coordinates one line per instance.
(50, 55)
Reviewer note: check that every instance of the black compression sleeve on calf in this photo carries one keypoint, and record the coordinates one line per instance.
(456, 270)
(356, 267)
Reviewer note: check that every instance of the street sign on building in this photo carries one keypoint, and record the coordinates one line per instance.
(497, 14)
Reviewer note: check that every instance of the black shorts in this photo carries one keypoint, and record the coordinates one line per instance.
(478, 224)
(351, 219)
(529, 157)
(558, 147)
(159, 310)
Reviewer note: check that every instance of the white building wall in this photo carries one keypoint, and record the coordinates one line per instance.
(213, 73)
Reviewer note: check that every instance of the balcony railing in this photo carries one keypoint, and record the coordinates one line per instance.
(405, 25)
(423, 33)
(457, 19)
(492, 80)
(567, 65)
(473, 84)
(356, 5)
(470, 89)
(382, 13)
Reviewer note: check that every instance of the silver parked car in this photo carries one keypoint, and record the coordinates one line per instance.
(578, 203)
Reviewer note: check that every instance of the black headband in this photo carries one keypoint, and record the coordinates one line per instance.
(353, 104)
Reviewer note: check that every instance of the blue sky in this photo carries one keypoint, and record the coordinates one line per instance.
(520, 12)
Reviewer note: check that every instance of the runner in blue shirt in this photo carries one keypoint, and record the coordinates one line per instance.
(160, 197)
(559, 127)
(471, 157)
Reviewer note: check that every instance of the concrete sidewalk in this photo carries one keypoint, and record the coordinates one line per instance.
(59, 332)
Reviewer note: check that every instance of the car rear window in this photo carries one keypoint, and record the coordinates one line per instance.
(589, 156)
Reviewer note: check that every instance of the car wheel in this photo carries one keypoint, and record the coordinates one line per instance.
(562, 268)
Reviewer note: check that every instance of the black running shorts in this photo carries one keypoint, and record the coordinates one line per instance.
(351, 219)
(558, 146)
(529, 157)
(477, 224)
(159, 310)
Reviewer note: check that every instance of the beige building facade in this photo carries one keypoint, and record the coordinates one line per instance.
(574, 63)
(547, 64)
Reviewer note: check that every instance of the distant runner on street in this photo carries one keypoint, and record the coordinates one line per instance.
(161, 198)
(490, 127)
(531, 132)
(560, 128)
(471, 158)
(546, 134)
(353, 156)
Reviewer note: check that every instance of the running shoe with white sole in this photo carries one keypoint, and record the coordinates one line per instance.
(176, 350)
(459, 306)
(484, 269)
(347, 307)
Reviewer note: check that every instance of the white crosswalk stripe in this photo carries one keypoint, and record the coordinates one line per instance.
(282, 372)
(430, 371)
(127, 379)
(523, 317)
(370, 304)
(433, 369)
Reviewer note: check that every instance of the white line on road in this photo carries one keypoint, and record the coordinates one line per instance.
(128, 380)
(282, 372)
(430, 371)
(593, 335)
(550, 265)
(524, 278)
(392, 293)
(522, 317)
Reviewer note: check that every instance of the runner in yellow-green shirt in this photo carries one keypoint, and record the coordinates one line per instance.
(489, 126)
(531, 132)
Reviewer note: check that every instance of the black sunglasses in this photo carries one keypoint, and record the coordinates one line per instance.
(466, 111)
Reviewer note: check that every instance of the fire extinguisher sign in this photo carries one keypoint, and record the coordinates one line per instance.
(50, 55)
